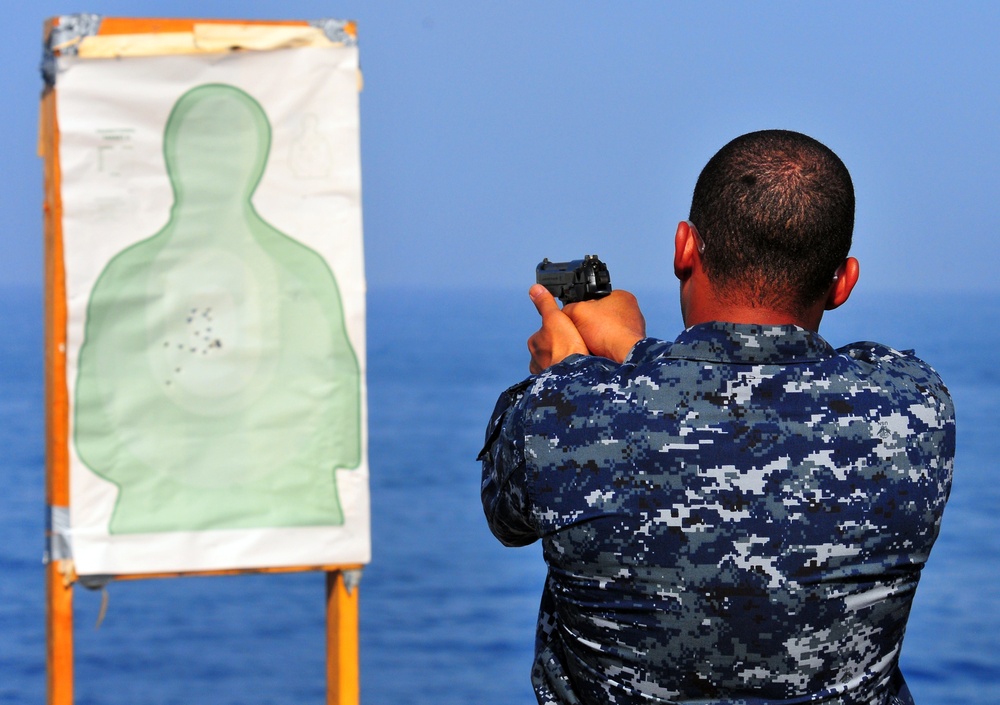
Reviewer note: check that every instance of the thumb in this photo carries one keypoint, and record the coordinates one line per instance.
(543, 300)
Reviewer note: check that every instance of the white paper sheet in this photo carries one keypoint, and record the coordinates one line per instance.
(216, 334)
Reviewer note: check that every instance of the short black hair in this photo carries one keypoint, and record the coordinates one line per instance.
(775, 210)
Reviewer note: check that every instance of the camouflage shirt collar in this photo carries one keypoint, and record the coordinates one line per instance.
(739, 343)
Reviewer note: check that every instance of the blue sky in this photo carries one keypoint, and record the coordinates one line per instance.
(498, 133)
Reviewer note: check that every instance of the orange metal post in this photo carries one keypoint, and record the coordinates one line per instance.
(59, 628)
(59, 573)
(343, 682)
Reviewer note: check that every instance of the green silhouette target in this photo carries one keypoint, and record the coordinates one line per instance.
(217, 387)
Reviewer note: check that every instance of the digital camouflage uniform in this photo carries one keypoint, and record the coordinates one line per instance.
(740, 516)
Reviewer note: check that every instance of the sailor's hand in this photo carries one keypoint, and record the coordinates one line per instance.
(558, 337)
(609, 326)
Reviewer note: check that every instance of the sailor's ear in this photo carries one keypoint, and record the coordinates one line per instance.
(687, 249)
(844, 280)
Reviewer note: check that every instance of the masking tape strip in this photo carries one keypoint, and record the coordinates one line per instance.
(352, 578)
(337, 31)
(58, 546)
(112, 46)
(64, 39)
(256, 37)
(71, 30)
(209, 38)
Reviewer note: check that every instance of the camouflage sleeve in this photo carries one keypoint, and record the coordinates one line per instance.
(505, 483)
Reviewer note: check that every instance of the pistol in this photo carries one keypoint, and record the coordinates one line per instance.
(576, 280)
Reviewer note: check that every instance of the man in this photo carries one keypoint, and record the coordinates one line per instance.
(740, 516)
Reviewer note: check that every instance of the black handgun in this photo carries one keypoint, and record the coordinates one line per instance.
(577, 280)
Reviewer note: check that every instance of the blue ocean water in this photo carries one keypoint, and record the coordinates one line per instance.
(447, 614)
